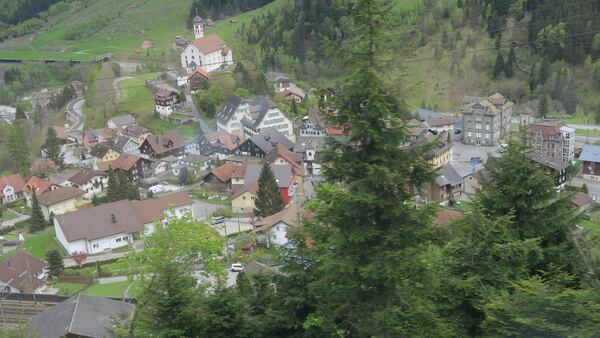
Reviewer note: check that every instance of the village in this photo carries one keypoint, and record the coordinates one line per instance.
(114, 185)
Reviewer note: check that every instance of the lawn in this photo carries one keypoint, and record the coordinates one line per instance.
(111, 290)
(592, 133)
(68, 289)
(187, 131)
(136, 99)
(37, 244)
(579, 118)
(7, 215)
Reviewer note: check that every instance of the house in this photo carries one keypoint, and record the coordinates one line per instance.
(133, 166)
(209, 52)
(293, 92)
(581, 201)
(273, 230)
(163, 145)
(252, 116)
(22, 273)
(447, 187)
(123, 144)
(219, 179)
(590, 156)
(165, 164)
(59, 201)
(164, 100)
(282, 155)
(313, 124)
(198, 80)
(136, 133)
(196, 163)
(43, 167)
(12, 188)
(553, 139)
(309, 148)
(120, 121)
(103, 152)
(554, 167)
(243, 199)
(263, 143)
(39, 185)
(416, 130)
(441, 124)
(220, 143)
(114, 225)
(80, 316)
(440, 153)
(93, 182)
(486, 120)
(61, 179)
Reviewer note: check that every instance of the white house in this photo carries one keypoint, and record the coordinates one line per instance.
(164, 101)
(209, 52)
(60, 201)
(273, 230)
(11, 188)
(113, 225)
(93, 182)
(22, 273)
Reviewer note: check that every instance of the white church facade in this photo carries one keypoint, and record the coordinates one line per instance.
(209, 52)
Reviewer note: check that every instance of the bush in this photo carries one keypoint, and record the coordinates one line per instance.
(6, 230)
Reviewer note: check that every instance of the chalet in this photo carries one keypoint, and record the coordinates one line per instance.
(243, 199)
(590, 156)
(163, 145)
(133, 166)
(294, 92)
(198, 80)
(209, 52)
(136, 133)
(12, 188)
(309, 148)
(581, 202)
(123, 144)
(196, 163)
(554, 167)
(263, 143)
(163, 208)
(219, 179)
(165, 164)
(220, 143)
(22, 273)
(93, 182)
(164, 100)
(273, 230)
(282, 155)
(441, 124)
(120, 121)
(447, 187)
(440, 152)
(103, 152)
(60, 201)
(313, 125)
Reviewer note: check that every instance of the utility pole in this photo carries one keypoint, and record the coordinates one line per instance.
(238, 219)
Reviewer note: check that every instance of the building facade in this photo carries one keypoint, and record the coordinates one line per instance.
(552, 139)
(209, 52)
(486, 120)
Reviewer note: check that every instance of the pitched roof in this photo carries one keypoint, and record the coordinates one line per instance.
(292, 158)
(294, 90)
(440, 121)
(293, 215)
(282, 172)
(224, 172)
(448, 176)
(152, 210)
(251, 187)
(195, 158)
(40, 185)
(99, 150)
(164, 93)
(268, 138)
(224, 139)
(546, 128)
(58, 195)
(122, 120)
(60, 178)
(41, 166)
(549, 162)
(97, 222)
(199, 71)
(590, 153)
(15, 181)
(165, 142)
(208, 44)
(84, 176)
(229, 107)
(123, 162)
(19, 271)
(580, 199)
(81, 316)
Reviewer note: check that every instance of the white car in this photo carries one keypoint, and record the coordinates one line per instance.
(157, 188)
(237, 267)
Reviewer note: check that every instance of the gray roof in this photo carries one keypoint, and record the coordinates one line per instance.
(258, 107)
(80, 315)
(424, 114)
(267, 139)
(122, 120)
(448, 176)
(282, 172)
(549, 162)
(275, 76)
(195, 159)
(228, 108)
(590, 153)
(309, 142)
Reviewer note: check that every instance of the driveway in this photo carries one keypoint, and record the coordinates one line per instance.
(203, 126)
(232, 227)
(69, 262)
(20, 217)
(202, 209)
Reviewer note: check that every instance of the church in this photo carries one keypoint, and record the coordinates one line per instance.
(208, 52)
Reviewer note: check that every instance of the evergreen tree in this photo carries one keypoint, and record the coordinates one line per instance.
(544, 71)
(511, 63)
(569, 98)
(183, 176)
(294, 108)
(543, 106)
(149, 194)
(112, 193)
(268, 198)
(52, 147)
(584, 189)
(123, 186)
(499, 66)
(20, 113)
(55, 263)
(133, 192)
(37, 220)
(18, 149)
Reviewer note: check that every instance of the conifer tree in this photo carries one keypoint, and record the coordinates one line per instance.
(20, 113)
(133, 192)
(544, 71)
(294, 108)
(543, 106)
(499, 66)
(112, 193)
(52, 147)
(511, 63)
(18, 149)
(123, 187)
(55, 263)
(95, 200)
(268, 198)
(37, 220)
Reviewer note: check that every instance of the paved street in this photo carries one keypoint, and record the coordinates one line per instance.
(593, 186)
(75, 113)
(231, 226)
(202, 209)
(205, 127)
(20, 217)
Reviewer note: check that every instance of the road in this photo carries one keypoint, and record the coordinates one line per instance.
(592, 186)
(75, 112)
(203, 126)
(20, 217)
(116, 86)
(203, 209)
(231, 226)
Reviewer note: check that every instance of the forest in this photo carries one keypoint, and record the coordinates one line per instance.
(219, 9)
(16, 11)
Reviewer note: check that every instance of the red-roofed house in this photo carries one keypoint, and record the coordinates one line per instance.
(209, 52)
(11, 188)
(198, 80)
(39, 185)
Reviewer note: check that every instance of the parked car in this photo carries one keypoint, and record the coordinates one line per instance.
(237, 267)
(457, 131)
(157, 188)
(218, 220)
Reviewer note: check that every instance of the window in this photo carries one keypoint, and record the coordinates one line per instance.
(487, 135)
(118, 240)
(487, 126)
(478, 126)
(469, 134)
(95, 245)
(244, 198)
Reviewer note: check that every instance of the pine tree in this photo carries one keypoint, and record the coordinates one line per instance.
(268, 198)
(511, 63)
(584, 189)
(55, 263)
(123, 186)
(294, 108)
(133, 192)
(20, 113)
(18, 149)
(112, 193)
(544, 71)
(52, 147)
(183, 176)
(499, 66)
(95, 200)
(543, 106)
(149, 194)
(37, 220)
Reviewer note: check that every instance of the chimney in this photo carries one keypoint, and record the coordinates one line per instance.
(113, 218)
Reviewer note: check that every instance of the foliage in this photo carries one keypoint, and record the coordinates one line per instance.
(511, 63)
(55, 263)
(18, 149)
(268, 197)
(183, 176)
(38, 222)
(499, 66)
(218, 9)
(120, 188)
(52, 147)
(543, 106)
(78, 257)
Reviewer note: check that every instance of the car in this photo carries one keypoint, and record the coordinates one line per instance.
(237, 267)
(157, 188)
(457, 131)
(218, 220)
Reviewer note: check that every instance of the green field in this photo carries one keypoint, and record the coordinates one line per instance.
(187, 131)
(111, 290)
(591, 133)
(136, 99)
(37, 244)
(68, 289)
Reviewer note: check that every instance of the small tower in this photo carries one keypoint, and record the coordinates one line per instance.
(198, 27)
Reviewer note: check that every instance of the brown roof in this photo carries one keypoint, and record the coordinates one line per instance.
(123, 162)
(98, 222)
(292, 158)
(164, 142)
(59, 195)
(19, 272)
(164, 93)
(446, 216)
(251, 187)
(292, 216)
(226, 139)
(199, 71)
(224, 172)
(84, 176)
(581, 199)
(209, 44)
(15, 181)
(440, 121)
(39, 184)
(546, 128)
(153, 209)
(61, 133)
(239, 171)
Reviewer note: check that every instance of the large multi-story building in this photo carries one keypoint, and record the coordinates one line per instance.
(486, 120)
(552, 139)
